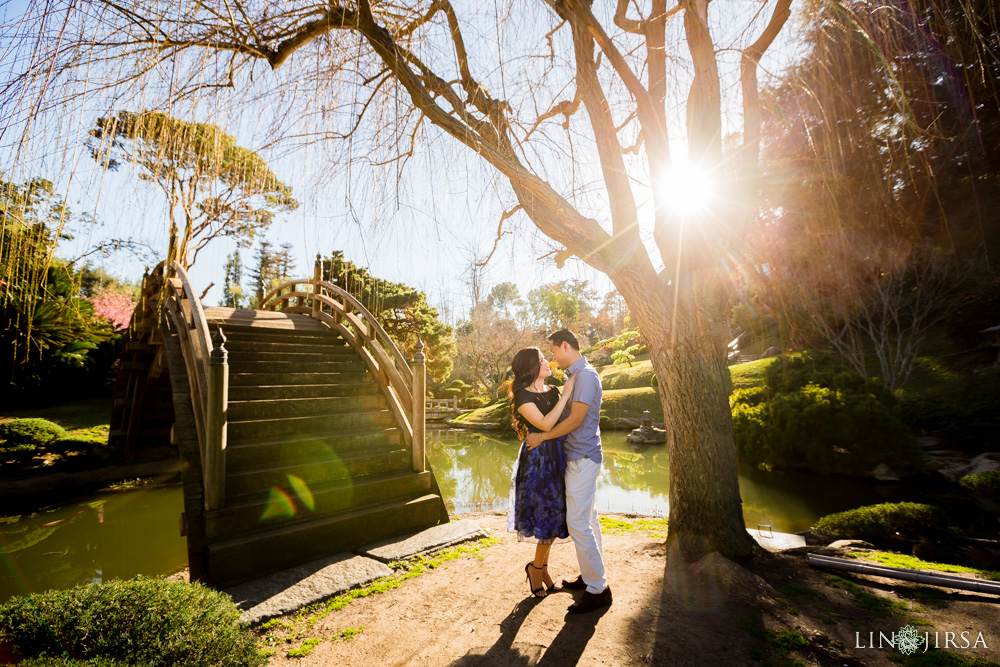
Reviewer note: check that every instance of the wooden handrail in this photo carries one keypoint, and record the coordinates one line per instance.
(342, 311)
(184, 308)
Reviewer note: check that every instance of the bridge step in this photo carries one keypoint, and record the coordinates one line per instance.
(277, 334)
(270, 339)
(262, 319)
(317, 446)
(260, 480)
(316, 366)
(287, 505)
(292, 353)
(331, 421)
(300, 407)
(252, 392)
(234, 561)
(237, 378)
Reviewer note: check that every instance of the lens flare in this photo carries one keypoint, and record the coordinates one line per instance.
(302, 491)
(279, 504)
(689, 188)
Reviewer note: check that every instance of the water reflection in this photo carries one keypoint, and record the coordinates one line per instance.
(120, 535)
(473, 471)
(110, 536)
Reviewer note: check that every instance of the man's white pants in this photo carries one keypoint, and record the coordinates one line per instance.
(584, 526)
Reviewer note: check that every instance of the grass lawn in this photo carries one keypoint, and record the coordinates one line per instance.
(621, 376)
(498, 413)
(750, 374)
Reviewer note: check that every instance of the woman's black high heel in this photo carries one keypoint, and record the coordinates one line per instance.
(554, 588)
(534, 591)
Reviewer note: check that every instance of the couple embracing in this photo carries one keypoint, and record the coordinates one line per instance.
(555, 479)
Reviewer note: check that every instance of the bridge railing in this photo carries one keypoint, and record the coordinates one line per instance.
(403, 386)
(207, 370)
(442, 403)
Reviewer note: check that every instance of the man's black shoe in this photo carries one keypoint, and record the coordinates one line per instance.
(592, 602)
(577, 584)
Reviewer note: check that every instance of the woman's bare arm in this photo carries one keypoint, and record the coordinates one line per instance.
(545, 422)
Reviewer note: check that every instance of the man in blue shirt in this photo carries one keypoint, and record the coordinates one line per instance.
(583, 464)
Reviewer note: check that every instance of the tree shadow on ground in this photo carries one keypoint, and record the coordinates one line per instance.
(503, 651)
(566, 648)
(572, 640)
(699, 612)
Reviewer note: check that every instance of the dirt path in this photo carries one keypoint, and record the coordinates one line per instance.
(476, 611)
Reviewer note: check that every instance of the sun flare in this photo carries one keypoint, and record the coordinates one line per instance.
(689, 188)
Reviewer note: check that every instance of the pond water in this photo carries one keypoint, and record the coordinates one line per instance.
(114, 535)
(474, 470)
(125, 533)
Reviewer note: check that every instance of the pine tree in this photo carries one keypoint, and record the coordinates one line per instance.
(263, 272)
(285, 263)
(232, 291)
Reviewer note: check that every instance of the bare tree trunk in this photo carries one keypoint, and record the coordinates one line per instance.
(687, 347)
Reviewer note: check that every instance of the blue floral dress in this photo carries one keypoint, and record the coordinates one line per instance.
(537, 501)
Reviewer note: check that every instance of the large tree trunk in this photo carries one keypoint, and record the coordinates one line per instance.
(687, 348)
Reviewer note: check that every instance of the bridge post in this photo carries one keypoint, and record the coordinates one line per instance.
(419, 407)
(317, 277)
(216, 424)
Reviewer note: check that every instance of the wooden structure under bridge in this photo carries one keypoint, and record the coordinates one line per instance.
(301, 425)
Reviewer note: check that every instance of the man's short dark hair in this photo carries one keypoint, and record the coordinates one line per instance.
(564, 336)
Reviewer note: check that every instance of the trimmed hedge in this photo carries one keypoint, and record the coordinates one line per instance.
(812, 412)
(883, 523)
(30, 431)
(140, 621)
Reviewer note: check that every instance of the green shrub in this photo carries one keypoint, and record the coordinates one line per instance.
(451, 392)
(812, 412)
(30, 431)
(475, 402)
(66, 661)
(961, 411)
(883, 523)
(986, 483)
(17, 452)
(141, 621)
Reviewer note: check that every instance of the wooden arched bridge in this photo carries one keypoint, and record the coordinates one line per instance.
(301, 425)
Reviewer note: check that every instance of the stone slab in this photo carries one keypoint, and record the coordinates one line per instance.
(426, 541)
(775, 541)
(289, 590)
(850, 544)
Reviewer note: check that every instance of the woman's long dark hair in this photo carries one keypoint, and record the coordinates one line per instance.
(525, 365)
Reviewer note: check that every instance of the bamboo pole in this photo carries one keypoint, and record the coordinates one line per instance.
(419, 407)
(944, 580)
(216, 424)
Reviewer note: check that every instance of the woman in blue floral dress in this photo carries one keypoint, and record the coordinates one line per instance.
(538, 490)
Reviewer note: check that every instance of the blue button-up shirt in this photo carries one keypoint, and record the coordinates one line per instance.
(585, 440)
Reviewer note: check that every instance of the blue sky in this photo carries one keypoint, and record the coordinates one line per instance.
(424, 228)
